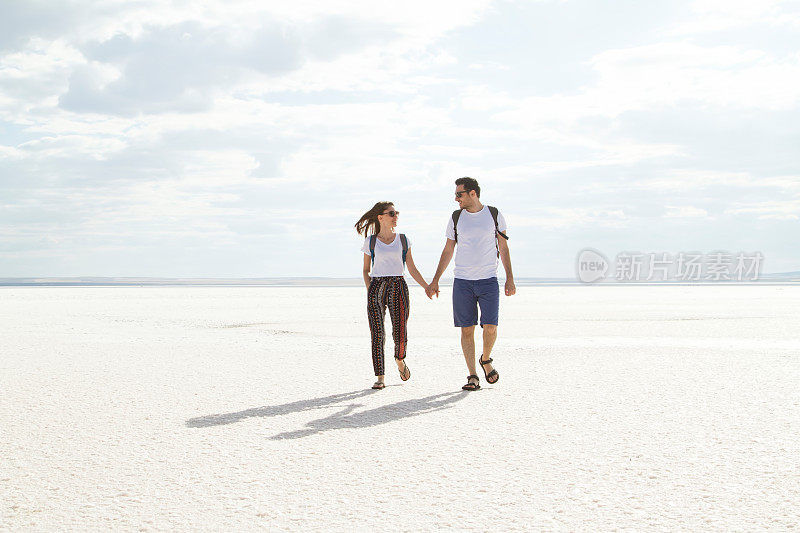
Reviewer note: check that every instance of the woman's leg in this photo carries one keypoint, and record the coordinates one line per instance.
(398, 312)
(376, 311)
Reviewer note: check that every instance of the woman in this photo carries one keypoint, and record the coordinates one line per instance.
(387, 253)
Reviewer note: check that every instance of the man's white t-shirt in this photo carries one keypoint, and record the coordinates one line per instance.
(389, 257)
(476, 251)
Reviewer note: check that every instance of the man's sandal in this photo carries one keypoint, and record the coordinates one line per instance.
(491, 374)
(378, 385)
(470, 386)
(405, 374)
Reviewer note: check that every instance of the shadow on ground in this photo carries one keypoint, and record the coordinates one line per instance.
(276, 410)
(345, 418)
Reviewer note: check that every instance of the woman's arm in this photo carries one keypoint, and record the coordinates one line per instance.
(412, 269)
(365, 272)
(444, 260)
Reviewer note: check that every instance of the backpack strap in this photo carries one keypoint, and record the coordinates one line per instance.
(456, 214)
(494, 211)
(372, 240)
(404, 243)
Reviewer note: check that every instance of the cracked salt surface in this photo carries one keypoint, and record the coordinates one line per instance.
(617, 408)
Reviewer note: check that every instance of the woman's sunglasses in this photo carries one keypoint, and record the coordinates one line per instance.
(391, 213)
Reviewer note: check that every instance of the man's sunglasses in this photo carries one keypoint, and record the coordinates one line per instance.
(391, 213)
(459, 193)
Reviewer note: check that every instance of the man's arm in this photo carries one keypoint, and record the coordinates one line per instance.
(505, 258)
(444, 260)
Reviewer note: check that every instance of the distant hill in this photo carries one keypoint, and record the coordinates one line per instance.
(233, 282)
(782, 276)
(144, 282)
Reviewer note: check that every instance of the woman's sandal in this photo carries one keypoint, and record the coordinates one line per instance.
(470, 386)
(490, 374)
(379, 385)
(405, 374)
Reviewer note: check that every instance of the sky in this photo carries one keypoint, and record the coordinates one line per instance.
(245, 138)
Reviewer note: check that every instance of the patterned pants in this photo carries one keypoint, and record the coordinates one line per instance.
(391, 292)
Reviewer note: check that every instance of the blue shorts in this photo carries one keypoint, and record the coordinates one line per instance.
(468, 295)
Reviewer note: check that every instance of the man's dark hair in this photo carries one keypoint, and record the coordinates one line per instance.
(470, 184)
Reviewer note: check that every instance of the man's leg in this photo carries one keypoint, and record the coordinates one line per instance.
(465, 316)
(489, 302)
(489, 336)
(468, 347)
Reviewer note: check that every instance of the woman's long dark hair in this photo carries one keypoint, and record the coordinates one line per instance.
(368, 223)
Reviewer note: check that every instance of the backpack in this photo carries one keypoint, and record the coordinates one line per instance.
(493, 211)
(374, 239)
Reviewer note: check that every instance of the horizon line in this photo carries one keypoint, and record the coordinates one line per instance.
(783, 278)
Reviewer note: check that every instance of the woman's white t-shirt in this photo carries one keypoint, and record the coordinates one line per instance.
(388, 257)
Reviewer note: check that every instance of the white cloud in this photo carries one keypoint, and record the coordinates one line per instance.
(684, 211)
(775, 210)
(555, 218)
(661, 75)
(72, 146)
(692, 180)
(726, 15)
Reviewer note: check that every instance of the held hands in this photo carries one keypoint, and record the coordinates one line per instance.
(432, 289)
(511, 289)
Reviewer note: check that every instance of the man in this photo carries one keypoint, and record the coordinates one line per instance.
(480, 237)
